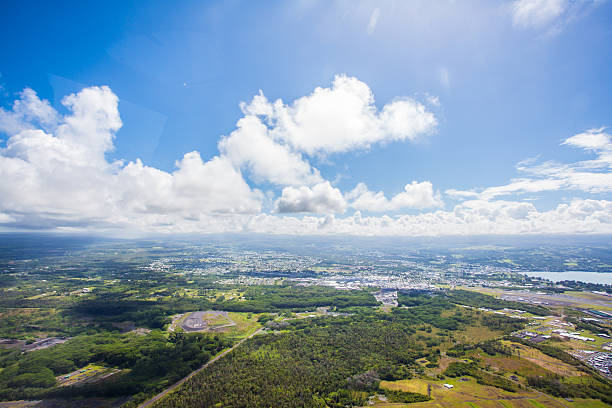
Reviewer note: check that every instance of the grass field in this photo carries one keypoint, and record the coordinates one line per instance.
(89, 373)
(476, 334)
(473, 395)
(549, 363)
(588, 295)
(467, 394)
(515, 365)
(246, 324)
(213, 320)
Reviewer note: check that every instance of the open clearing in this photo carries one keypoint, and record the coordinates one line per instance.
(476, 334)
(585, 300)
(549, 363)
(233, 324)
(89, 374)
(210, 320)
(471, 394)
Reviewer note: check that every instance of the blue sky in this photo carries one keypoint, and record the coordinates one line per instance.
(496, 82)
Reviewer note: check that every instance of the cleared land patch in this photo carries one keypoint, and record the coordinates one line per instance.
(210, 320)
(515, 365)
(476, 334)
(91, 373)
(547, 362)
(233, 324)
(466, 394)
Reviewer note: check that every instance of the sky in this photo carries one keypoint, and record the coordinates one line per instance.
(307, 117)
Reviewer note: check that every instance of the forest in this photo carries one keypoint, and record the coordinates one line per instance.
(150, 363)
(333, 361)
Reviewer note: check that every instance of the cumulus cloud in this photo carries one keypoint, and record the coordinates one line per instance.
(468, 218)
(321, 198)
(62, 177)
(415, 196)
(54, 173)
(271, 139)
(250, 146)
(28, 111)
(65, 178)
(196, 188)
(340, 118)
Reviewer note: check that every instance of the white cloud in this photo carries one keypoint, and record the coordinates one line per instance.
(536, 13)
(321, 198)
(251, 147)
(340, 118)
(196, 188)
(271, 138)
(554, 14)
(62, 177)
(516, 186)
(415, 195)
(433, 100)
(594, 139)
(472, 217)
(373, 20)
(591, 176)
(27, 111)
(54, 174)
(65, 179)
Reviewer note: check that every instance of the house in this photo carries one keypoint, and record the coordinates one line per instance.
(449, 386)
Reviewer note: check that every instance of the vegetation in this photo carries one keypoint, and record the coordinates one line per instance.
(459, 369)
(282, 297)
(313, 363)
(474, 299)
(154, 361)
(115, 312)
(589, 388)
(403, 396)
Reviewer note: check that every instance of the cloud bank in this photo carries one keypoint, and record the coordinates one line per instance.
(55, 174)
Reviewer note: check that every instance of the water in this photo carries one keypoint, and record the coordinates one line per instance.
(589, 277)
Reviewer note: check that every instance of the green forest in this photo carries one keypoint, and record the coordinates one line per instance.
(150, 363)
(333, 362)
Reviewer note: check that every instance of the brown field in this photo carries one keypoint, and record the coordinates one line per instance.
(549, 363)
(468, 394)
(476, 334)
(515, 365)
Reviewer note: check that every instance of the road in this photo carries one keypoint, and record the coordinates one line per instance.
(151, 401)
